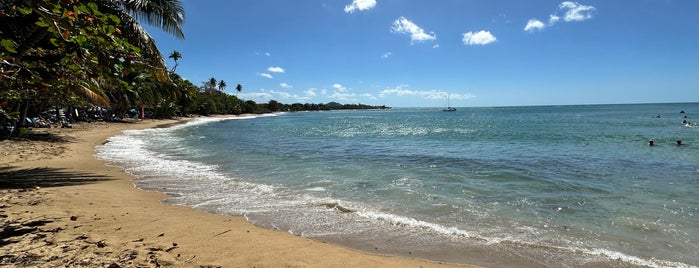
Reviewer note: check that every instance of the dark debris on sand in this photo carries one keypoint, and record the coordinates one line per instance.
(29, 240)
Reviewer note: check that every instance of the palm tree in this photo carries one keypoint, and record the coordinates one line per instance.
(238, 88)
(212, 82)
(221, 85)
(175, 55)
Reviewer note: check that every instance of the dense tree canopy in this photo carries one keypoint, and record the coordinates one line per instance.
(82, 53)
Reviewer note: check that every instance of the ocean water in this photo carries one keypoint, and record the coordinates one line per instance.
(550, 186)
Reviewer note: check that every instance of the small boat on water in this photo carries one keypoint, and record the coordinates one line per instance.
(449, 108)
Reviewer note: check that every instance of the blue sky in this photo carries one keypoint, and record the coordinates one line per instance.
(413, 53)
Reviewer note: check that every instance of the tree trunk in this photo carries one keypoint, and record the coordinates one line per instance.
(22, 117)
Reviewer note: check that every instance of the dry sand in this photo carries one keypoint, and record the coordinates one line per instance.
(60, 206)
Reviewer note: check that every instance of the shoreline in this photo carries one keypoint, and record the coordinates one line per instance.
(76, 210)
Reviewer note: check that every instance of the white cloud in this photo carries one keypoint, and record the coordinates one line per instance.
(283, 95)
(398, 91)
(576, 11)
(435, 46)
(573, 11)
(461, 96)
(401, 90)
(386, 55)
(341, 96)
(285, 85)
(265, 95)
(405, 26)
(534, 24)
(256, 96)
(339, 87)
(324, 91)
(265, 75)
(311, 92)
(275, 69)
(553, 19)
(341, 93)
(360, 5)
(368, 96)
(479, 38)
(308, 94)
(268, 54)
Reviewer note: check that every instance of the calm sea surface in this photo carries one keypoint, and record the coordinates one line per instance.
(515, 186)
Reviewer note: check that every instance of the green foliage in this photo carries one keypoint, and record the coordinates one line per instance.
(80, 53)
(8, 45)
(212, 101)
(66, 55)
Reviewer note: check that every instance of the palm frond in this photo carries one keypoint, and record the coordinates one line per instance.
(167, 15)
(95, 97)
(134, 33)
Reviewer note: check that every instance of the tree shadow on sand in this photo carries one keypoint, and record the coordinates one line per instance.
(50, 137)
(12, 178)
(39, 134)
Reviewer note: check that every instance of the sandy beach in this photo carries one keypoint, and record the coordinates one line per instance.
(60, 206)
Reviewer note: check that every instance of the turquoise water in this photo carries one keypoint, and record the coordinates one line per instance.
(513, 186)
